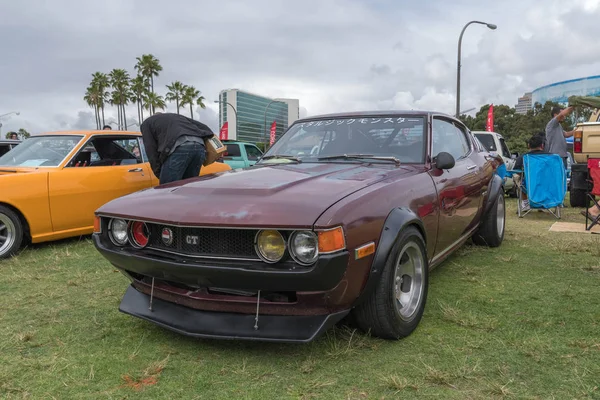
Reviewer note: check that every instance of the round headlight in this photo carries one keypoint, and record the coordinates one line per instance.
(270, 246)
(304, 247)
(139, 234)
(118, 231)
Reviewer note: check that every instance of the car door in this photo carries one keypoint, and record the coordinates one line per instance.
(253, 153)
(102, 170)
(457, 188)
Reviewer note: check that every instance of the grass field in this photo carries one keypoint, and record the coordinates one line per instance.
(520, 321)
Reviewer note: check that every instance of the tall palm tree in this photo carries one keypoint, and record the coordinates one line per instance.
(101, 81)
(138, 89)
(175, 93)
(148, 66)
(153, 101)
(119, 80)
(91, 97)
(191, 96)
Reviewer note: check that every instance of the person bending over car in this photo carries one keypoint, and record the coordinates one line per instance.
(175, 145)
(536, 146)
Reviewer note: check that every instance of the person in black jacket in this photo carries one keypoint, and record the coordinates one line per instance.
(175, 145)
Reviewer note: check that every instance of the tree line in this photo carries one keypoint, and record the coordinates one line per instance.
(21, 134)
(518, 128)
(119, 89)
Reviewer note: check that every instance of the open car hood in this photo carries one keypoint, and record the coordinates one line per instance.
(270, 196)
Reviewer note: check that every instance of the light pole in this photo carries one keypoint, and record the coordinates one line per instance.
(234, 111)
(491, 26)
(266, 132)
(4, 115)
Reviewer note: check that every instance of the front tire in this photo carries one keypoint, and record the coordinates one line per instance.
(491, 231)
(11, 232)
(396, 306)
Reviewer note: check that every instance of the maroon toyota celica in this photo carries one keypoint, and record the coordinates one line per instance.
(344, 216)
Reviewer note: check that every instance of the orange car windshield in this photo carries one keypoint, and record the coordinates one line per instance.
(40, 151)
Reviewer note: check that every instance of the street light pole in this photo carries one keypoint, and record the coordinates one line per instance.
(266, 132)
(491, 26)
(234, 111)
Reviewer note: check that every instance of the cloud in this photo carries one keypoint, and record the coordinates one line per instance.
(337, 55)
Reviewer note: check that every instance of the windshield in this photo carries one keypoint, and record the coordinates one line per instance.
(401, 137)
(487, 141)
(40, 151)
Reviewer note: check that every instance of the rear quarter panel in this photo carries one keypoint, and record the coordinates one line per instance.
(28, 193)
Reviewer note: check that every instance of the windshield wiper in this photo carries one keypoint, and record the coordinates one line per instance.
(361, 156)
(283, 156)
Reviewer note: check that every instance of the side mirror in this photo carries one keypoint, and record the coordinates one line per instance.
(444, 161)
(514, 155)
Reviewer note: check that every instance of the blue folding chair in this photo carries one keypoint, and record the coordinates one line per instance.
(544, 180)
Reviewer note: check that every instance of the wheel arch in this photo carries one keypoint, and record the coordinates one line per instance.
(24, 221)
(496, 186)
(398, 220)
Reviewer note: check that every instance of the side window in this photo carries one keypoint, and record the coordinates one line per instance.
(505, 151)
(102, 151)
(463, 139)
(447, 137)
(142, 150)
(252, 152)
(233, 150)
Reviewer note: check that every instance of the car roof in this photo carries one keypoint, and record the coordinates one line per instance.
(89, 132)
(377, 113)
(487, 133)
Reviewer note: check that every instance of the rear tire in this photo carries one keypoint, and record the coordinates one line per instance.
(397, 303)
(11, 232)
(491, 231)
(577, 198)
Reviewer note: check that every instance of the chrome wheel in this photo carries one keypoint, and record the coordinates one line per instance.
(7, 233)
(408, 281)
(500, 213)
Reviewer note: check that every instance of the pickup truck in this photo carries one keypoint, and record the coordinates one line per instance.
(240, 154)
(586, 145)
(495, 143)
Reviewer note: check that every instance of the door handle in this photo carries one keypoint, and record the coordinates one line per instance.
(136, 170)
(470, 167)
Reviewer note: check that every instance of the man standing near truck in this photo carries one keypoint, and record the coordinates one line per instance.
(556, 142)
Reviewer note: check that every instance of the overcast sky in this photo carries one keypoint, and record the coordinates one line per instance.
(333, 55)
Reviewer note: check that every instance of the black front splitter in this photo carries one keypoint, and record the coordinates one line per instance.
(223, 325)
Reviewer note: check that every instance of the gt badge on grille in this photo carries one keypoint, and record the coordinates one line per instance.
(191, 239)
(167, 236)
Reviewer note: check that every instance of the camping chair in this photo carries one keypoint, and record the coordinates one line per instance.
(544, 180)
(594, 175)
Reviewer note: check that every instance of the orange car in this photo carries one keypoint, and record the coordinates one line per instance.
(51, 184)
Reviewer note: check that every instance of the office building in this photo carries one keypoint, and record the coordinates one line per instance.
(245, 114)
(524, 104)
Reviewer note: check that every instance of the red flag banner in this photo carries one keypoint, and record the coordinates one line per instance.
(490, 119)
(273, 132)
(224, 132)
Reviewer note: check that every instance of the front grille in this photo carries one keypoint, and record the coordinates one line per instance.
(205, 242)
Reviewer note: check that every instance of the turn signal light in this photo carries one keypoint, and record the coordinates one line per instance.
(96, 224)
(364, 251)
(331, 240)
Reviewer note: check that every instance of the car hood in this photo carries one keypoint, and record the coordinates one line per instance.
(262, 196)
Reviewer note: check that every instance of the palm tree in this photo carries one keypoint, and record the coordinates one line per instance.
(119, 80)
(148, 66)
(101, 81)
(153, 101)
(175, 93)
(138, 89)
(191, 96)
(91, 97)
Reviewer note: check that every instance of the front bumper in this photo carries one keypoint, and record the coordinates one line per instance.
(220, 325)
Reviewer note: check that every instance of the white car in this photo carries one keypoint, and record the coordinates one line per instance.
(495, 143)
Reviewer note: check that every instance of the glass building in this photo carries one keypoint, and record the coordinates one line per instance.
(560, 91)
(245, 114)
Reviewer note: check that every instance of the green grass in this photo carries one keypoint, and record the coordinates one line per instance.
(520, 321)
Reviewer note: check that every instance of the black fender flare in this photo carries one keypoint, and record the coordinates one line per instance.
(397, 220)
(579, 176)
(496, 186)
